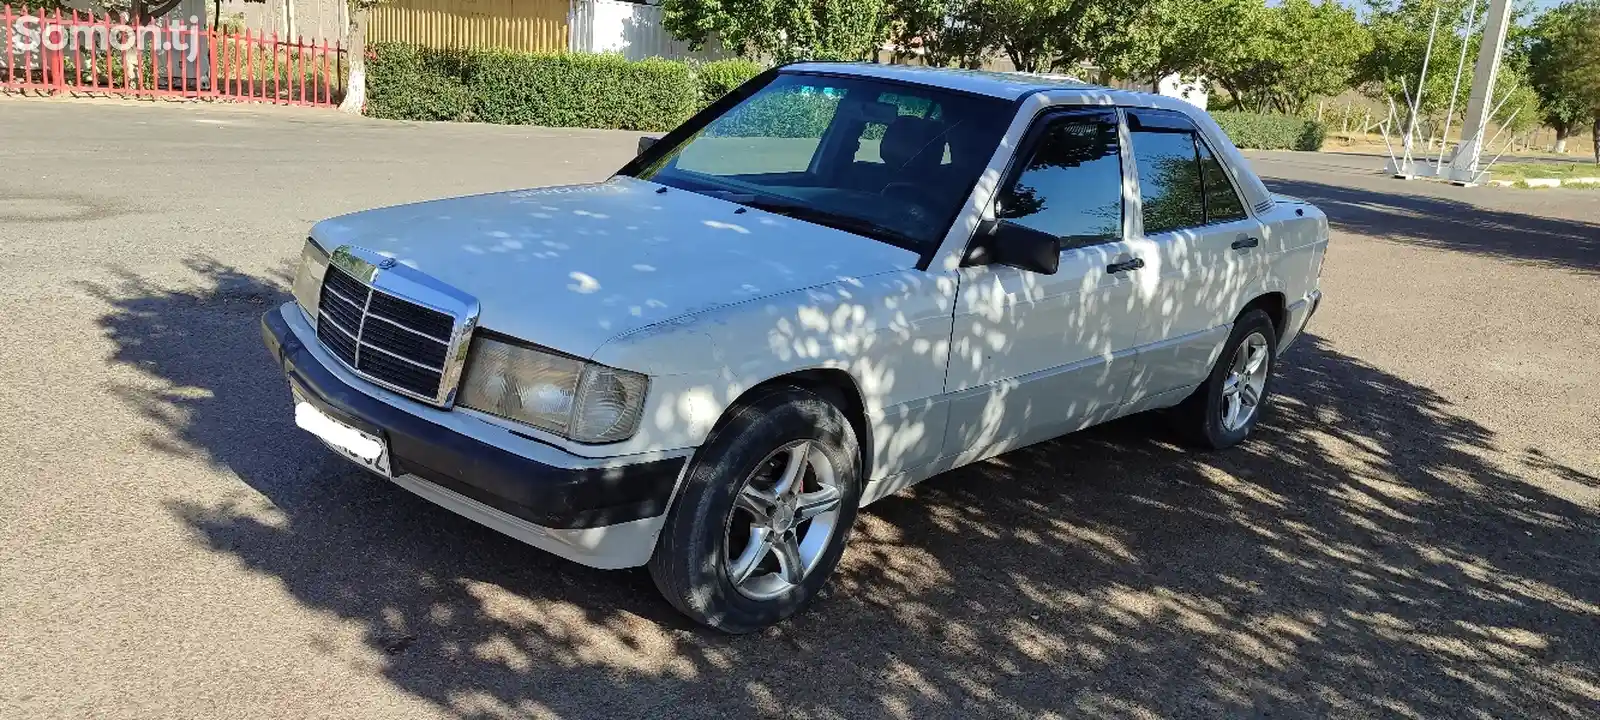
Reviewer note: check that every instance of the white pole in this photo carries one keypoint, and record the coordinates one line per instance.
(1502, 129)
(1478, 135)
(1461, 65)
(1485, 170)
(1398, 168)
(1394, 165)
(1496, 24)
(1416, 104)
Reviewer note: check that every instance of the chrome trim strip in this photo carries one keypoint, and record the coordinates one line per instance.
(410, 330)
(361, 329)
(406, 284)
(396, 389)
(335, 325)
(405, 360)
(340, 295)
(345, 258)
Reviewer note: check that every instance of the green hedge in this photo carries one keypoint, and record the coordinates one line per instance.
(721, 77)
(789, 113)
(405, 82)
(551, 89)
(1271, 132)
(580, 90)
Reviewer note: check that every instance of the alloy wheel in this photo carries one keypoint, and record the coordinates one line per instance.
(784, 517)
(1246, 383)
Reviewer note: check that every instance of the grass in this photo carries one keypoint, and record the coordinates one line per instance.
(1523, 185)
(1524, 170)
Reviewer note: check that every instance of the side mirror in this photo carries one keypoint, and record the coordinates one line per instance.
(645, 143)
(1002, 242)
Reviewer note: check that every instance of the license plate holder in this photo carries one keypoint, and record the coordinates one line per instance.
(360, 447)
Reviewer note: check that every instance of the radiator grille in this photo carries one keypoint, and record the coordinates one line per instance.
(385, 338)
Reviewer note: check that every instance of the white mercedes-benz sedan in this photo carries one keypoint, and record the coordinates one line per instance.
(831, 284)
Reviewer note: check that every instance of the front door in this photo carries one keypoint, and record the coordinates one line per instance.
(1202, 252)
(1034, 356)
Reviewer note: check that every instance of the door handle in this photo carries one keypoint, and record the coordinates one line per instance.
(1121, 267)
(1246, 243)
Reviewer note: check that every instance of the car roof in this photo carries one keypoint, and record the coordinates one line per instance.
(1005, 85)
(1053, 90)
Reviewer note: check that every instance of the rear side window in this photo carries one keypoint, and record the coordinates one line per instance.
(1169, 175)
(1222, 203)
(1071, 186)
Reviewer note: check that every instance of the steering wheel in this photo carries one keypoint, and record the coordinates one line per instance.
(915, 198)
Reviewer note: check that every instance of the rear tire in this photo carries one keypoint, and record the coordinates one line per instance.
(764, 514)
(1222, 411)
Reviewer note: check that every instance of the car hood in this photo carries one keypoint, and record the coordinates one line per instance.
(571, 267)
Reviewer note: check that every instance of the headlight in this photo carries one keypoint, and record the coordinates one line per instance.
(567, 396)
(308, 277)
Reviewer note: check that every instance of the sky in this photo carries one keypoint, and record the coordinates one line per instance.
(1539, 4)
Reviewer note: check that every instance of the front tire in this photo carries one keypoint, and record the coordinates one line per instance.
(1222, 411)
(764, 514)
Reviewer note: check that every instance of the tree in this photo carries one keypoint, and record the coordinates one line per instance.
(1582, 74)
(1164, 37)
(355, 43)
(1556, 61)
(1040, 35)
(137, 10)
(1286, 55)
(1521, 111)
(947, 32)
(782, 30)
(147, 9)
(1400, 39)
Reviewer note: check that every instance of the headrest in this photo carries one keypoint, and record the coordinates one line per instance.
(909, 142)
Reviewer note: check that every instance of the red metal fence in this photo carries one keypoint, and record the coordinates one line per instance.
(77, 53)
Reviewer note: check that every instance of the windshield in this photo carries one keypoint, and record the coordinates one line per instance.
(878, 158)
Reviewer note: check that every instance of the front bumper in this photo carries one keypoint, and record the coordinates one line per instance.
(599, 512)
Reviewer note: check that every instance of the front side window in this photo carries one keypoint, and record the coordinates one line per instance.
(876, 157)
(1071, 186)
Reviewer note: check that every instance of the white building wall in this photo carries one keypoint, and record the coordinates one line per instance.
(313, 20)
(633, 29)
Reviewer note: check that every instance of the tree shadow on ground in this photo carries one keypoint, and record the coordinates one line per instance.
(1454, 225)
(1369, 553)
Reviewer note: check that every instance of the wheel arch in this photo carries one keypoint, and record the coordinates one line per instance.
(835, 384)
(1275, 304)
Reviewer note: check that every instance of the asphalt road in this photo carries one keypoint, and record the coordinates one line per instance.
(1414, 532)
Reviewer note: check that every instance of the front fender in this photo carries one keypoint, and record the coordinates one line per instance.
(890, 332)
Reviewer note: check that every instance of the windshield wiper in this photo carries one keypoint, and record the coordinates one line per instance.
(847, 223)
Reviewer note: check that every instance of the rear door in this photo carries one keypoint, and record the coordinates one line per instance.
(1201, 249)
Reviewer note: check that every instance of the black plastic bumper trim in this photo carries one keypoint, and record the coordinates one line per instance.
(547, 495)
